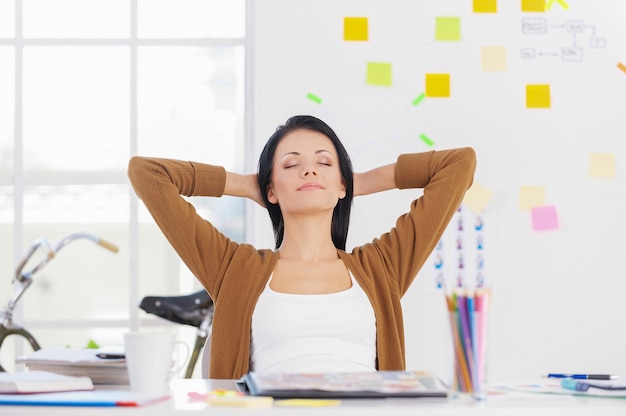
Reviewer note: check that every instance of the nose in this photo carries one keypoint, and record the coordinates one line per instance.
(309, 170)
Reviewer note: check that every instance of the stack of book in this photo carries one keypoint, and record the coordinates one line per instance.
(78, 362)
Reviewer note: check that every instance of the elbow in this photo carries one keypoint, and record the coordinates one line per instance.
(470, 160)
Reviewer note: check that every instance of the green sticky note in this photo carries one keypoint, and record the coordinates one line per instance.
(448, 28)
(419, 99)
(426, 140)
(379, 73)
(314, 98)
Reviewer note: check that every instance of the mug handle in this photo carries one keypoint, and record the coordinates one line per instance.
(176, 368)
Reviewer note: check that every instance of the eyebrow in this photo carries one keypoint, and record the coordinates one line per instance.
(317, 152)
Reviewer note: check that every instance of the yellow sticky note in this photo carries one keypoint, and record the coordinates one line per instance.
(538, 96)
(437, 85)
(493, 58)
(448, 28)
(531, 196)
(240, 401)
(485, 6)
(533, 5)
(477, 197)
(563, 4)
(379, 73)
(602, 165)
(355, 28)
(308, 402)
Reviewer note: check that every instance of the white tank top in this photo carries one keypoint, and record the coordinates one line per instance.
(333, 332)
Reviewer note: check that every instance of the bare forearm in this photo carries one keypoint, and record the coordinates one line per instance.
(376, 180)
(245, 186)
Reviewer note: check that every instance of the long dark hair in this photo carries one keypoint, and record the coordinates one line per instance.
(341, 213)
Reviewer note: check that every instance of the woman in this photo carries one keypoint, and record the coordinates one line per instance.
(308, 305)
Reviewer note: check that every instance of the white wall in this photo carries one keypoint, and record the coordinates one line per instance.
(559, 294)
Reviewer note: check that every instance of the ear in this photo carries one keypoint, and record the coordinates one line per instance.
(271, 196)
(342, 191)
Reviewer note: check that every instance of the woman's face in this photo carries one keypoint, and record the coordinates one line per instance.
(305, 174)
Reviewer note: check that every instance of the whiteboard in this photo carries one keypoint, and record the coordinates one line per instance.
(559, 293)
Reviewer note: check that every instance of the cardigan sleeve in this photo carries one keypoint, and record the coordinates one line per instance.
(161, 185)
(445, 176)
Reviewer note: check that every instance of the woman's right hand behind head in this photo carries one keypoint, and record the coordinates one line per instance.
(254, 191)
(246, 186)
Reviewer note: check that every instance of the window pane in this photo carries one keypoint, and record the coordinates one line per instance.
(191, 18)
(6, 205)
(191, 108)
(7, 109)
(7, 18)
(191, 104)
(160, 269)
(76, 18)
(76, 108)
(76, 338)
(84, 281)
(7, 271)
(76, 204)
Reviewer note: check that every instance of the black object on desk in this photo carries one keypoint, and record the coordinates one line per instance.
(195, 309)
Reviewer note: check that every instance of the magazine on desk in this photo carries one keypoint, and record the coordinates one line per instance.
(25, 382)
(78, 362)
(345, 385)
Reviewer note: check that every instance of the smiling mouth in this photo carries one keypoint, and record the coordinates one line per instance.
(310, 186)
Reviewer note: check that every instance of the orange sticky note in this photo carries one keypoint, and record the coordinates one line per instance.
(493, 58)
(533, 5)
(538, 96)
(437, 85)
(379, 73)
(355, 28)
(448, 28)
(477, 197)
(531, 196)
(485, 6)
(544, 218)
(602, 165)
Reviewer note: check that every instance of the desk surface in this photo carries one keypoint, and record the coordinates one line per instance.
(499, 403)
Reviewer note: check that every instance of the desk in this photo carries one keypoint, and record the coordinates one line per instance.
(508, 404)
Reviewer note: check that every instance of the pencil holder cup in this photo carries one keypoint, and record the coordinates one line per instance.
(469, 315)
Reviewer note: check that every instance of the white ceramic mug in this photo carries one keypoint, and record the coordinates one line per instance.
(150, 360)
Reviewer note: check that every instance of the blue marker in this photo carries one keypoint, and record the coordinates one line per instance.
(582, 376)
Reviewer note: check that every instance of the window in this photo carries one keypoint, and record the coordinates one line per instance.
(84, 85)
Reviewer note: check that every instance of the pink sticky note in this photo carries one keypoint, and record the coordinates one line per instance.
(544, 218)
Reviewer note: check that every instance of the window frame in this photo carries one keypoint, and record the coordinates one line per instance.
(19, 181)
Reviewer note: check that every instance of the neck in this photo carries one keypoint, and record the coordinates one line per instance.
(308, 239)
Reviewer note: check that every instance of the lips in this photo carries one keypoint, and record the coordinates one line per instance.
(310, 186)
